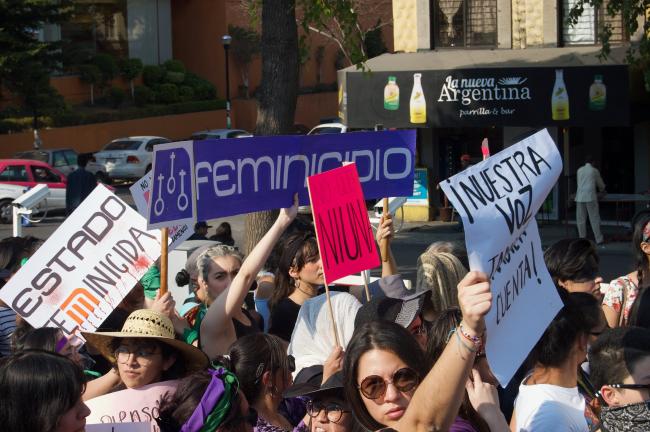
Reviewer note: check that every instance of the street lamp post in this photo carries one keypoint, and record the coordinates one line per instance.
(225, 40)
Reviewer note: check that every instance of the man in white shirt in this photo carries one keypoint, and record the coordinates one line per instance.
(588, 180)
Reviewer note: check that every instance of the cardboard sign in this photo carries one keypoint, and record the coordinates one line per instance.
(86, 267)
(237, 176)
(119, 427)
(141, 193)
(130, 405)
(172, 192)
(347, 243)
(498, 199)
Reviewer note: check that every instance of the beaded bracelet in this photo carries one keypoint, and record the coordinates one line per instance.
(476, 340)
(467, 347)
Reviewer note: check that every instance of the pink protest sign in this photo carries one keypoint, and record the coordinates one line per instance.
(130, 405)
(345, 238)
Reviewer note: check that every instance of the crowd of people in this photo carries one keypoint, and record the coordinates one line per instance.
(405, 359)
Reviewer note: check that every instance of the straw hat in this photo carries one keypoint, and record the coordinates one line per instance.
(148, 324)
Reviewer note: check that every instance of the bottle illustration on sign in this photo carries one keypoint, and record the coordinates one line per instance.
(391, 94)
(418, 104)
(597, 94)
(560, 98)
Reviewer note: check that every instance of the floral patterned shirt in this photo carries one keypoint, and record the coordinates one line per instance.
(618, 289)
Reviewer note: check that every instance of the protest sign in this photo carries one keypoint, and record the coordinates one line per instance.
(172, 190)
(235, 176)
(497, 200)
(86, 267)
(130, 405)
(346, 240)
(119, 427)
(141, 193)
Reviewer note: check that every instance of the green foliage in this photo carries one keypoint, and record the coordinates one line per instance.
(90, 74)
(203, 89)
(174, 77)
(373, 41)
(107, 67)
(153, 75)
(167, 94)
(115, 97)
(174, 66)
(143, 95)
(130, 68)
(245, 44)
(186, 93)
(630, 11)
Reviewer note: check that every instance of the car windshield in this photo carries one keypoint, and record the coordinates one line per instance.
(33, 155)
(123, 145)
(326, 130)
(203, 136)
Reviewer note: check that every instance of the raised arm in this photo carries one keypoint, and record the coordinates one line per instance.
(386, 230)
(221, 311)
(436, 402)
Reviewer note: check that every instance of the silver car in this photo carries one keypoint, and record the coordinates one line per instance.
(64, 159)
(127, 158)
(220, 134)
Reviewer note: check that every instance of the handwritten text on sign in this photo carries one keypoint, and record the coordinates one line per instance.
(497, 200)
(86, 267)
(347, 244)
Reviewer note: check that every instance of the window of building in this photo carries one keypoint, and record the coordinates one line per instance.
(586, 31)
(464, 23)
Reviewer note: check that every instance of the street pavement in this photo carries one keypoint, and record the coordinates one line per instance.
(413, 238)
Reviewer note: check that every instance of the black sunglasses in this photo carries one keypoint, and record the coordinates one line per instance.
(404, 380)
(630, 386)
(333, 411)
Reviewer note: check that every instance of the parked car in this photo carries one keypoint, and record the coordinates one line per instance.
(127, 158)
(328, 128)
(21, 174)
(220, 134)
(65, 160)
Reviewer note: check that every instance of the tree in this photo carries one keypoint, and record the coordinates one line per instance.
(130, 69)
(90, 74)
(107, 70)
(278, 94)
(245, 46)
(26, 62)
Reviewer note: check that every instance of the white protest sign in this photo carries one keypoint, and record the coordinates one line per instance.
(86, 267)
(497, 200)
(131, 405)
(119, 427)
(141, 193)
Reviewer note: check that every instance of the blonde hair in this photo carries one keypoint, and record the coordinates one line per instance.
(440, 272)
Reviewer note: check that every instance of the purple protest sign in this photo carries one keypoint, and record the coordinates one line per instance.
(236, 176)
(172, 190)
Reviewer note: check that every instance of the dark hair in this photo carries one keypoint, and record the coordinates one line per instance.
(176, 409)
(381, 335)
(641, 260)
(615, 354)
(176, 371)
(36, 389)
(447, 320)
(83, 158)
(223, 234)
(251, 356)
(573, 259)
(14, 249)
(555, 345)
(44, 338)
(17, 337)
(182, 278)
(299, 249)
(640, 312)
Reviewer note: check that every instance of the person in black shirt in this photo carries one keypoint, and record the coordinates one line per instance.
(80, 184)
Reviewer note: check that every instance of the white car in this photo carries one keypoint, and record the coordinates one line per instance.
(220, 134)
(328, 128)
(127, 158)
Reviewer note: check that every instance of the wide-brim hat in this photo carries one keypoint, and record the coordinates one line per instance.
(401, 311)
(148, 324)
(307, 380)
(333, 386)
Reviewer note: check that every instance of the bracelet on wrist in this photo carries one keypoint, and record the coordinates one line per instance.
(467, 347)
(476, 340)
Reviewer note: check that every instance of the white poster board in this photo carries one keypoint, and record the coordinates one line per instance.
(497, 200)
(86, 267)
(141, 193)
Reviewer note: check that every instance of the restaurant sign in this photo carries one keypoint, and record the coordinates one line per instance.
(540, 96)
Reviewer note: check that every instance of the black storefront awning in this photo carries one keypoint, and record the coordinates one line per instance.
(467, 88)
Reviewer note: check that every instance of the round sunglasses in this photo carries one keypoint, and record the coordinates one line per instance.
(404, 380)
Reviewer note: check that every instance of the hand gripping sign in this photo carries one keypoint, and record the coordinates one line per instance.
(498, 199)
(172, 191)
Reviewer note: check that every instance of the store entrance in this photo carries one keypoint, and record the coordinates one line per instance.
(456, 142)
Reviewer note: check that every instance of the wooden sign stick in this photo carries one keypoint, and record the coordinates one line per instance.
(327, 288)
(164, 238)
(365, 285)
(384, 242)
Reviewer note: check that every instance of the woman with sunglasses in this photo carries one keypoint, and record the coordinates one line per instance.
(261, 363)
(387, 383)
(620, 370)
(209, 400)
(623, 291)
